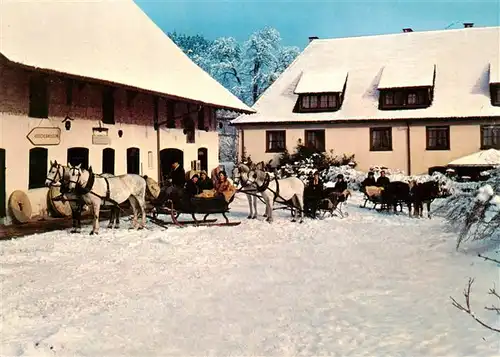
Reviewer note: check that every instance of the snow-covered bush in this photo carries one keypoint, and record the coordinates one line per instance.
(304, 161)
(476, 215)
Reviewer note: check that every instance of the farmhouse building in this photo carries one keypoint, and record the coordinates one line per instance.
(88, 83)
(409, 101)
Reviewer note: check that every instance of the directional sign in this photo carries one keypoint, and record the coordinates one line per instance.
(44, 136)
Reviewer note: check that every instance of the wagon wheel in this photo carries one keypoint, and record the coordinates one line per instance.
(20, 206)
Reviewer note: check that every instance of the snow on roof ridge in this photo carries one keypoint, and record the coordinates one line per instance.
(413, 33)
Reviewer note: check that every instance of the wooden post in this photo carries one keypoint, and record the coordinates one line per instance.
(158, 162)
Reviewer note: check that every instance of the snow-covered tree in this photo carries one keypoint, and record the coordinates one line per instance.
(476, 215)
(226, 56)
(196, 47)
(285, 56)
(246, 70)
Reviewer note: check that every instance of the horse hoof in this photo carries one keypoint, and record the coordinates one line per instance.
(294, 220)
(140, 227)
(117, 227)
(249, 217)
(92, 233)
(74, 231)
(110, 226)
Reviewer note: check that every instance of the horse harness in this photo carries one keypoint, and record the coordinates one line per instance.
(265, 186)
(87, 189)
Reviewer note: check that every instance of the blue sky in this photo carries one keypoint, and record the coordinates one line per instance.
(299, 19)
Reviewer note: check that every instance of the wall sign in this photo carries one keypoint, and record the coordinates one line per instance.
(43, 136)
(100, 136)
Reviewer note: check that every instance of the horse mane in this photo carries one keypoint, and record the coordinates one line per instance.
(244, 168)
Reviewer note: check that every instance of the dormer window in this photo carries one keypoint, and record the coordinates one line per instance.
(495, 83)
(408, 86)
(320, 91)
(318, 102)
(495, 94)
(405, 98)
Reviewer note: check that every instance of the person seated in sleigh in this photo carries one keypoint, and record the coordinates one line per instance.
(174, 191)
(223, 189)
(313, 194)
(368, 181)
(192, 188)
(340, 189)
(204, 183)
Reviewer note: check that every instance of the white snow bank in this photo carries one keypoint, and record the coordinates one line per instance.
(368, 285)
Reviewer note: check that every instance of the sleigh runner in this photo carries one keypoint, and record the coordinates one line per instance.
(186, 205)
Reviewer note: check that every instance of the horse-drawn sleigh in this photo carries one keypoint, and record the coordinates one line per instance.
(82, 188)
(191, 206)
(288, 193)
(397, 193)
(173, 202)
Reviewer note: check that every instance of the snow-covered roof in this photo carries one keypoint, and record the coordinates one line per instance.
(321, 81)
(404, 75)
(495, 71)
(490, 157)
(461, 85)
(112, 41)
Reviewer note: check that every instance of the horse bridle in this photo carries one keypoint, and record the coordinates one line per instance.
(244, 183)
(54, 179)
(72, 171)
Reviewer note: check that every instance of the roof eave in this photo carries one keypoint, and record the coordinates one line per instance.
(364, 120)
(246, 110)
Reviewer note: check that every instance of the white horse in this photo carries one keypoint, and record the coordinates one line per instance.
(96, 190)
(288, 191)
(58, 175)
(240, 176)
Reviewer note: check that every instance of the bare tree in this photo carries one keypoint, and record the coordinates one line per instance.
(467, 295)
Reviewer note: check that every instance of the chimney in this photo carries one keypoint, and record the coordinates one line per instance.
(407, 30)
(311, 38)
(468, 24)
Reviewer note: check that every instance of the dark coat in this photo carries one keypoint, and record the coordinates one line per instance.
(178, 177)
(369, 181)
(205, 184)
(383, 181)
(315, 191)
(192, 188)
(340, 186)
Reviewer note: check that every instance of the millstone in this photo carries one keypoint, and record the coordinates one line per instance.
(20, 206)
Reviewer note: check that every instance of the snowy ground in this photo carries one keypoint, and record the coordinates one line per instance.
(369, 285)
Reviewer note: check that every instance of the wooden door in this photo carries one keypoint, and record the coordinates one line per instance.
(133, 161)
(108, 161)
(203, 157)
(38, 165)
